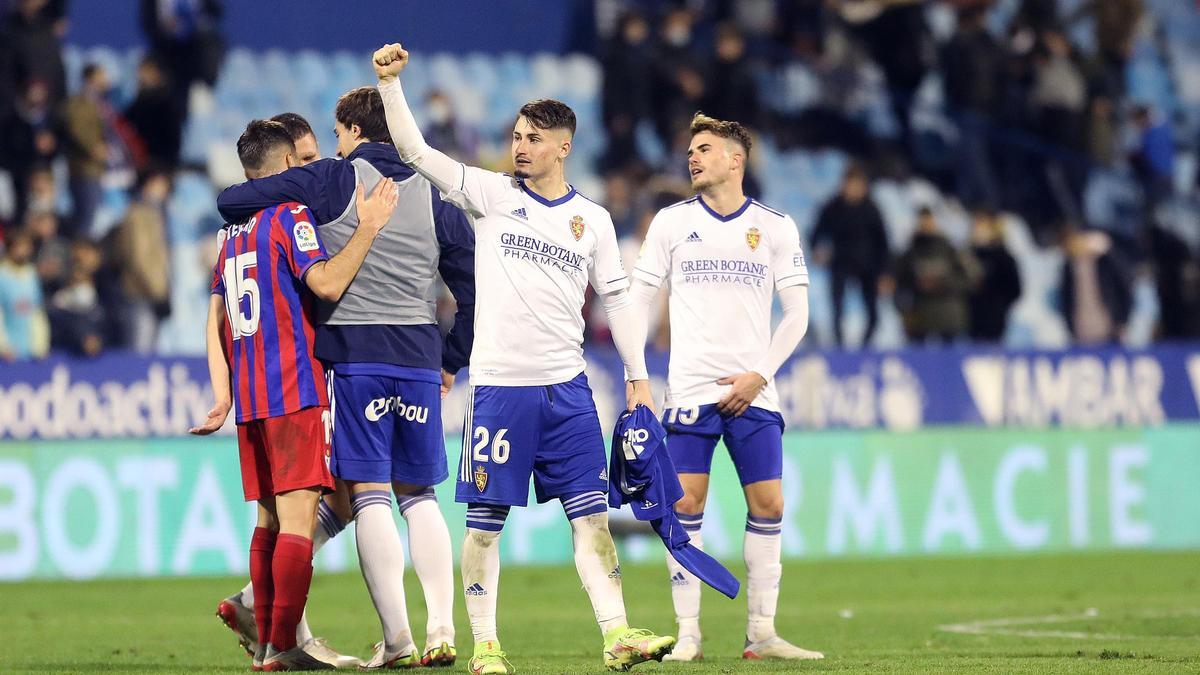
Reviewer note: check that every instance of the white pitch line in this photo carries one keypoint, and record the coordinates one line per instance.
(1004, 626)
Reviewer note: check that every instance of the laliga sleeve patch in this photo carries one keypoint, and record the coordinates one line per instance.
(306, 236)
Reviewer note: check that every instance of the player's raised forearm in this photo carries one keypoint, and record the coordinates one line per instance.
(435, 166)
(788, 333)
(328, 280)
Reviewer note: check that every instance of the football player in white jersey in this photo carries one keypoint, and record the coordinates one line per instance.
(723, 257)
(538, 243)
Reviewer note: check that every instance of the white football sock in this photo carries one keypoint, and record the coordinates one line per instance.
(381, 557)
(248, 595)
(481, 580)
(596, 561)
(763, 571)
(685, 593)
(429, 546)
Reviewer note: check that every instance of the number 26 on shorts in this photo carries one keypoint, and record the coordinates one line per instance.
(499, 447)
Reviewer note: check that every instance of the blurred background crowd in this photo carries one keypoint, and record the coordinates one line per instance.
(1020, 172)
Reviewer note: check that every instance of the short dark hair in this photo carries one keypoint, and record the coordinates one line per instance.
(547, 113)
(297, 127)
(364, 107)
(90, 70)
(153, 170)
(733, 131)
(259, 140)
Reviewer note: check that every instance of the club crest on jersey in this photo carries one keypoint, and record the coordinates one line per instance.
(306, 236)
(752, 238)
(480, 477)
(577, 227)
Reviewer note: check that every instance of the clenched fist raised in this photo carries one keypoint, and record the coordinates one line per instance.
(389, 60)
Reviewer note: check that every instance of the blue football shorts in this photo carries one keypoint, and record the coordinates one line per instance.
(754, 440)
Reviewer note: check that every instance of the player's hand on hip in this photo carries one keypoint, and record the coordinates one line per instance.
(214, 420)
(389, 60)
(638, 392)
(744, 388)
(374, 211)
(447, 383)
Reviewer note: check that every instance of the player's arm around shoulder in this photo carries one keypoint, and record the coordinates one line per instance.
(328, 279)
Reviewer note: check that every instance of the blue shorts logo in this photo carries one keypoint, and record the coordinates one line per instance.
(376, 409)
(480, 477)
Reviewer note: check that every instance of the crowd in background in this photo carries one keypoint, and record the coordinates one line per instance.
(1030, 116)
(64, 284)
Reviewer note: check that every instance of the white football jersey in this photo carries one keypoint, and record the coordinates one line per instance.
(722, 273)
(534, 259)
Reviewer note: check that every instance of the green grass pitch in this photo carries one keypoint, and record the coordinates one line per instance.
(1133, 612)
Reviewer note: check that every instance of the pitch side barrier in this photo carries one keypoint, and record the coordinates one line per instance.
(122, 396)
(942, 452)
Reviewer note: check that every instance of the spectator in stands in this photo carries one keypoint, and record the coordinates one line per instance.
(998, 285)
(1153, 159)
(185, 37)
(1096, 287)
(1177, 280)
(23, 333)
(735, 94)
(76, 316)
(139, 255)
(1059, 94)
(87, 147)
(1115, 23)
(620, 200)
(52, 253)
(898, 39)
(28, 140)
(933, 281)
(972, 73)
(31, 49)
(446, 132)
(1059, 100)
(801, 29)
(678, 83)
(850, 238)
(157, 115)
(42, 194)
(627, 62)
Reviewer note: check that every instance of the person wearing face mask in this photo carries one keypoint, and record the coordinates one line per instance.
(679, 78)
(140, 259)
(445, 131)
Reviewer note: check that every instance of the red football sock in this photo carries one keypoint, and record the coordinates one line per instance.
(262, 550)
(291, 569)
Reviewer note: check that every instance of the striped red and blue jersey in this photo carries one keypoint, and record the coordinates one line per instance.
(270, 330)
